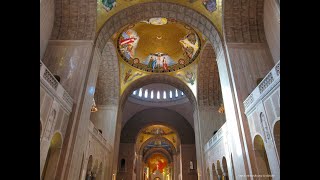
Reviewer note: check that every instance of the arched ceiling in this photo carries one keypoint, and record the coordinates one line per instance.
(158, 78)
(107, 88)
(209, 87)
(83, 19)
(212, 9)
(163, 136)
(157, 116)
(74, 20)
(158, 95)
(243, 21)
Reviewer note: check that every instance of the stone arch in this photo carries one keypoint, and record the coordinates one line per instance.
(99, 173)
(214, 172)
(276, 135)
(95, 168)
(225, 168)
(209, 88)
(158, 150)
(89, 167)
(261, 158)
(107, 86)
(163, 116)
(53, 156)
(219, 170)
(159, 123)
(140, 150)
(207, 28)
(158, 78)
(243, 21)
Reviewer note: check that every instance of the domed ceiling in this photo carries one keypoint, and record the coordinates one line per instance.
(158, 45)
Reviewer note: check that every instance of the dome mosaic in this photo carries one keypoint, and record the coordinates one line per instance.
(158, 45)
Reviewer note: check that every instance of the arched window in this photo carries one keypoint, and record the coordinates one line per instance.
(123, 165)
(151, 94)
(191, 165)
(170, 94)
(182, 93)
(158, 95)
(140, 92)
(164, 95)
(176, 93)
(146, 93)
(134, 92)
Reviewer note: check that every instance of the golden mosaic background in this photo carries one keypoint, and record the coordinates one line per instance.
(215, 17)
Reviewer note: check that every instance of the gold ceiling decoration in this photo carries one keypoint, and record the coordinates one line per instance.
(159, 132)
(158, 45)
(212, 9)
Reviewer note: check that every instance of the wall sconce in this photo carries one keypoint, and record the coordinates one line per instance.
(94, 106)
(221, 109)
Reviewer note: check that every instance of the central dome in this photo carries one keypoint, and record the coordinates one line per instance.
(158, 45)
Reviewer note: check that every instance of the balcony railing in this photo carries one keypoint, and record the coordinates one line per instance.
(95, 132)
(216, 137)
(270, 81)
(54, 87)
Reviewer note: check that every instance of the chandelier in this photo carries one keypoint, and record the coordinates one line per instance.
(221, 109)
(94, 106)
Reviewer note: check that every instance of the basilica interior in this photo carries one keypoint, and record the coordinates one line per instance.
(159, 90)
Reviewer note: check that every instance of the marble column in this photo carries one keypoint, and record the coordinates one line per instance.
(140, 167)
(77, 66)
(199, 146)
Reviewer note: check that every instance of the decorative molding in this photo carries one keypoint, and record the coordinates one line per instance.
(98, 136)
(216, 138)
(54, 88)
(265, 86)
(71, 42)
(278, 68)
(265, 82)
(50, 79)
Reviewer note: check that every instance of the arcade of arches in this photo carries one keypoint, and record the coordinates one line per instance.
(159, 90)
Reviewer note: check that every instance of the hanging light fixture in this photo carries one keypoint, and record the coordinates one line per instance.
(94, 106)
(221, 109)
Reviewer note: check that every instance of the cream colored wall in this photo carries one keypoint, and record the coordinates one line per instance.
(272, 27)
(70, 60)
(218, 150)
(211, 120)
(99, 153)
(50, 126)
(248, 62)
(270, 107)
(126, 152)
(105, 119)
(47, 12)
